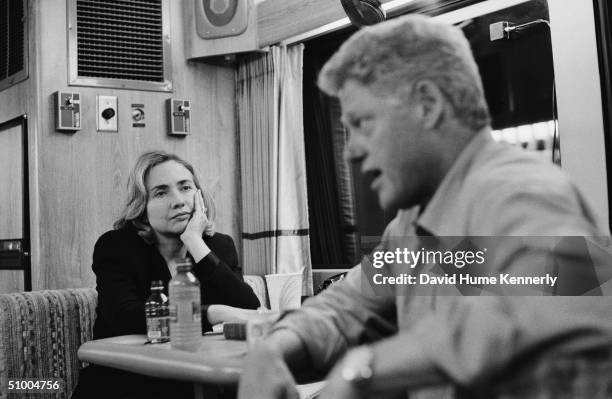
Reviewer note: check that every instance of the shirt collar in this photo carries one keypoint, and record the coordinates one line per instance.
(437, 219)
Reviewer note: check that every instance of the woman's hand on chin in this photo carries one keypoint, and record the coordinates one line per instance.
(198, 221)
(192, 236)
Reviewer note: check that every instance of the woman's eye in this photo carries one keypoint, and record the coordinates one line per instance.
(159, 194)
(186, 188)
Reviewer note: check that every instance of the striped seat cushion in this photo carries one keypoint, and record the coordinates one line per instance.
(40, 334)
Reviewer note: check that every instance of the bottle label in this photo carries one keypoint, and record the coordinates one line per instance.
(164, 324)
(173, 313)
(185, 312)
(158, 327)
(152, 334)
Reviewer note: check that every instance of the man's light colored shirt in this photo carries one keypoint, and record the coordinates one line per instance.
(492, 189)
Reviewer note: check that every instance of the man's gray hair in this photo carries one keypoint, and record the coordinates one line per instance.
(395, 54)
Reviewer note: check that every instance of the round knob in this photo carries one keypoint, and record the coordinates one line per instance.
(137, 114)
(108, 113)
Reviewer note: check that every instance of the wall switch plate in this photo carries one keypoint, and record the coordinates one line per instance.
(179, 116)
(67, 111)
(106, 113)
(138, 115)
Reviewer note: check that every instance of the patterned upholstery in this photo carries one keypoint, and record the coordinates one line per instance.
(258, 284)
(40, 333)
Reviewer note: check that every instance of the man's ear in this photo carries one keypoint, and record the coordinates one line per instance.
(432, 102)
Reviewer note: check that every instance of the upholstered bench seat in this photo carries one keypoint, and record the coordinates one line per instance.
(40, 333)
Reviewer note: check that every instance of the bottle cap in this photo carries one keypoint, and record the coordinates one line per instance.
(183, 268)
(184, 265)
(157, 284)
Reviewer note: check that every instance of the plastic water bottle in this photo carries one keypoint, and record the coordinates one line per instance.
(185, 313)
(157, 313)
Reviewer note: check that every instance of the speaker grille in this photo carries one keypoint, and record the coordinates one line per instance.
(120, 39)
(12, 39)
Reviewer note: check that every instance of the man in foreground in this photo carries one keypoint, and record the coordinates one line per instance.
(413, 101)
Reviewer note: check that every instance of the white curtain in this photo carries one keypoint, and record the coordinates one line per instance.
(273, 168)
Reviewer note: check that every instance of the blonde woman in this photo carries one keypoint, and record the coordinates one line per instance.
(168, 216)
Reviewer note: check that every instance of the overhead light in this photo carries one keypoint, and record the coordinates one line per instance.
(364, 12)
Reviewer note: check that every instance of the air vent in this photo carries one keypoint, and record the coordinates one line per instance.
(12, 42)
(118, 43)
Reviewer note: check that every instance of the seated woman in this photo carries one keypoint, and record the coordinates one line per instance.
(168, 216)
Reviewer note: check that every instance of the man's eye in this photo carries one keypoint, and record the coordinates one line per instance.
(355, 123)
(360, 123)
(366, 123)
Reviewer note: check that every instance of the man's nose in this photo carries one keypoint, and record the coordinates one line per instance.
(353, 152)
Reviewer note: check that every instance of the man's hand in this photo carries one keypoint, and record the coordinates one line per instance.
(338, 388)
(266, 376)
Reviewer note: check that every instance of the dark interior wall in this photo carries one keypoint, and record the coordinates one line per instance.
(517, 74)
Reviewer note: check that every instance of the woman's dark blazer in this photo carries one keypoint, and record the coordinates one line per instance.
(125, 265)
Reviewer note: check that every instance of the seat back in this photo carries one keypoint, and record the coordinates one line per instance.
(40, 334)
(258, 284)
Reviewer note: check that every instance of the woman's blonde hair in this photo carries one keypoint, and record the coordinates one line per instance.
(135, 210)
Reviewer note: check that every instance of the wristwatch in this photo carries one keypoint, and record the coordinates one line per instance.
(357, 366)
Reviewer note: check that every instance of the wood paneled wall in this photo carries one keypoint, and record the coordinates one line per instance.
(17, 100)
(14, 101)
(11, 198)
(80, 178)
(278, 20)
